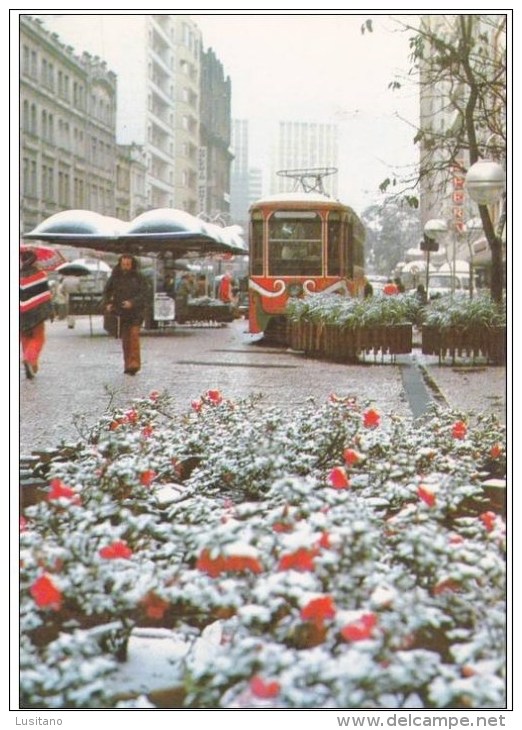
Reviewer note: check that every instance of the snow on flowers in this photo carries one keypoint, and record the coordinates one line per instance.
(335, 559)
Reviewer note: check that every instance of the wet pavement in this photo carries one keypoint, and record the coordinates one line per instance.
(81, 376)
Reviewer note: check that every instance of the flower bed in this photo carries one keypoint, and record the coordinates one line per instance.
(343, 329)
(462, 328)
(341, 558)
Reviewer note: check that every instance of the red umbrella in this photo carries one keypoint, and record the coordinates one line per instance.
(47, 258)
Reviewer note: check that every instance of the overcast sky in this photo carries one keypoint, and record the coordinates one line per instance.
(322, 68)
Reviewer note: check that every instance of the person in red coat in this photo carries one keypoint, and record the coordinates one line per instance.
(35, 307)
(225, 288)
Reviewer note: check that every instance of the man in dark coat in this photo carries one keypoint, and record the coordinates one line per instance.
(35, 308)
(125, 296)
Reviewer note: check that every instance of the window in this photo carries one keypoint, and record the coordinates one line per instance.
(294, 244)
(335, 244)
(26, 60)
(26, 121)
(256, 245)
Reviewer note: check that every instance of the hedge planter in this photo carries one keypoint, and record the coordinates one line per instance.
(464, 342)
(343, 344)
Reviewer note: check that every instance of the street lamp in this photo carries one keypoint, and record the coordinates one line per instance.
(486, 183)
(434, 231)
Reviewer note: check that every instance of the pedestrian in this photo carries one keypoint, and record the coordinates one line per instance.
(35, 307)
(421, 294)
(70, 285)
(58, 299)
(399, 285)
(390, 288)
(225, 288)
(125, 296)
(368, 290)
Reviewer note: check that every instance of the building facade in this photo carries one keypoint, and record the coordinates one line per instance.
(305, 145)
(157, 59)
(240, 179)
(443, 100)
(130, 198)
(67, 128)
(215, 153)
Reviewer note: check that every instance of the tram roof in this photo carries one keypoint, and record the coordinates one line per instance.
(298, 198)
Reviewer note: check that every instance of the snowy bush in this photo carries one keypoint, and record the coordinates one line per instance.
(328, 557)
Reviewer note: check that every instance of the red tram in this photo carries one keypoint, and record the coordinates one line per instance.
(301, 243)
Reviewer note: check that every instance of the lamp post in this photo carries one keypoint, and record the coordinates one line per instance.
(486, 182)
(474, 225)
(434, 230)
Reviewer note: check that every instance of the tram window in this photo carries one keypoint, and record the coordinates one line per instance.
(256, 247)
(294, 244)
(334, 244)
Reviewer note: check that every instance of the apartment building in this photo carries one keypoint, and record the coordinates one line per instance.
(302, 145)
(157, 59)
(67, 127)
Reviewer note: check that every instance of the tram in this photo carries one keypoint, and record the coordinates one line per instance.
(301, 243)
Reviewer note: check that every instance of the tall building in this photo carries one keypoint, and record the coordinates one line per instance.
(157, 59)
(67, 127)
(130, 182)
(240, 177)
(302, 145)
(215, 153)
(255, 184)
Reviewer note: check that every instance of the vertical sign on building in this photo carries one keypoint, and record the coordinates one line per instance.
(458, 198)
(202, 179)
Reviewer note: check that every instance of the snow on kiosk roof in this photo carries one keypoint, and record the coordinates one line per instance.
(155, 231)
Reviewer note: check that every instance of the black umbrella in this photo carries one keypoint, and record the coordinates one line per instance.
(71, 269)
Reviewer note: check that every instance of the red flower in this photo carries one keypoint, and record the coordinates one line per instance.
(154, 606)
(154, 395)
(426, 495)
(197, 405)
(147, 431)
(262, 689)
(45, 593)
(23, 523)
(488, 520)
(495, 451)
(282, 527)
(459, 430)
(214, 396)
(390, 288)
(338, 478)
(324, 540)
(302, 559)
(60, 491)
(115, 424)
(131, 416)
(227, 563)
(318, 609)
(360, 629)
(371, 418)
(117, 549)
(147, 477)
(351, 457)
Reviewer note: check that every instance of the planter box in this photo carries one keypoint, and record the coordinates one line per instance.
(345, 345)
(204, 313)
(486, 342)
